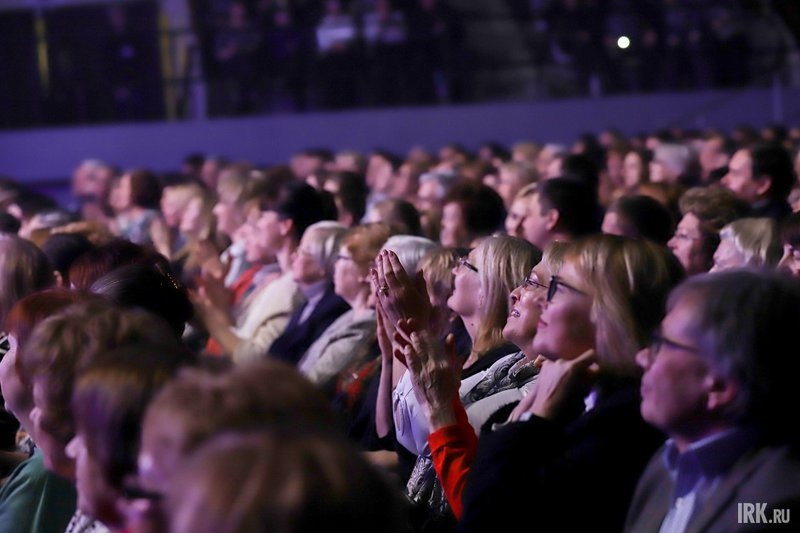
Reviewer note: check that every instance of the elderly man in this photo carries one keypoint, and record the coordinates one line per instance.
(719, 381)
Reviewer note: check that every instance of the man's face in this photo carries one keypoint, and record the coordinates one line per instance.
(687, 245)
(264, 238)
(740, 179)
(677, 381)
(535, 225)
(306, 267)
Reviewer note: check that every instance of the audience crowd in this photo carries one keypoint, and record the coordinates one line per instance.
(597, 334)
(294, 55)
(239, 57)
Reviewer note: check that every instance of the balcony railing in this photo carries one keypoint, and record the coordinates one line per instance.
(129, 61)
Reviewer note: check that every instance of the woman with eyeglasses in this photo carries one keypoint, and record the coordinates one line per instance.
(576, 444)
(482, 283)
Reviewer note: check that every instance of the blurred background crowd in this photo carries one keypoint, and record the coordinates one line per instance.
(101, 62)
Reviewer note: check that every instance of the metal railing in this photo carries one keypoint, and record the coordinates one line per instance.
(180, 77)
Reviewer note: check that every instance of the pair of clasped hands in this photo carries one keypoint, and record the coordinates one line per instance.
(404, 313)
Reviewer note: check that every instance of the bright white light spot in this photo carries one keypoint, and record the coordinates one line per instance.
(623, 42)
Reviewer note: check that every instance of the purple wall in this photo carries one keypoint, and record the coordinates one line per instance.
(50, 154)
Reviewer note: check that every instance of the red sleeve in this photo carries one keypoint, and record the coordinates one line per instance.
(453, 450)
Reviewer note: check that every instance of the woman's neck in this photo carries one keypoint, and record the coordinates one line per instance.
(358, 303)
(471, 325)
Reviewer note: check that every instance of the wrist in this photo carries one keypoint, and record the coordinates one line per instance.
(440, 417)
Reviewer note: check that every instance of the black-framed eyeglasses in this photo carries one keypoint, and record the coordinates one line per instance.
(658, 341)
(531, 282)
(464, 262)
(555, 283)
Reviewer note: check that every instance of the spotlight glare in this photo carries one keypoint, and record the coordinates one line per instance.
(623, 42)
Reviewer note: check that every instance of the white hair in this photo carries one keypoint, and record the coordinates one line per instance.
(410, 249)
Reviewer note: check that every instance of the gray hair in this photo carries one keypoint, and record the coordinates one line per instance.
(744, 320)
(323, 241)
(410, 249)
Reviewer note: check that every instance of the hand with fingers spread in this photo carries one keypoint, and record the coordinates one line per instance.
(213, 289)
(206, 312)
(563, 382)
(210, 261)
(434, 371)
(400, 295)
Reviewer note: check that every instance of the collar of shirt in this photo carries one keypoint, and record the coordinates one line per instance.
(313, 294)
(265, 271)
(314, 291)
(707, 458)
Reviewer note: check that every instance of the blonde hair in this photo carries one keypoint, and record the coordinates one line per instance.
(24, 269)
(755, 238)
(553, 256)
(503, 262)
(186, 194)
(365, 240)
(526, 191)
(525, 173)
(630, 280)
(233, 181)
(437, 266)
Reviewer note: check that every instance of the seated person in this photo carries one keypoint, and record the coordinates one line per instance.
(718, 381)
(749, 242)
(704, 212)
(640, 217)
(312, 270)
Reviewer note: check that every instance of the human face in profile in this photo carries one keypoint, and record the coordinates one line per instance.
(527, 301)
(565, 329)
(676, 380)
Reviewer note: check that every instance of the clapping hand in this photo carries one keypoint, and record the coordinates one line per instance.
(398, 295)
(434, 371)
(558, 386)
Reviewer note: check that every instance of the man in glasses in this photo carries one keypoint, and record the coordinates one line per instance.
(719, 382)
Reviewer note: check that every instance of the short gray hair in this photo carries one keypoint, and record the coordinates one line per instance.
(744, 320)
(324, 239)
